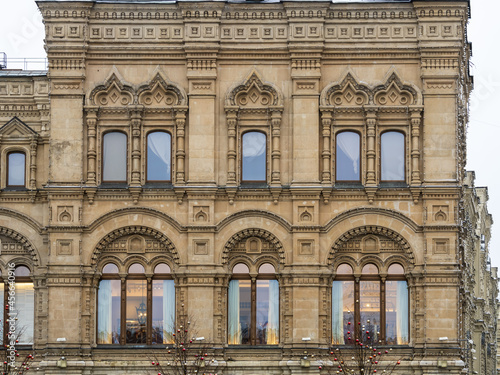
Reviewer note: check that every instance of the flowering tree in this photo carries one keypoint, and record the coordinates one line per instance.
(186, 355)
(360, 355)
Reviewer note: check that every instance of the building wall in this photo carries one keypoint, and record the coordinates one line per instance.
(207, 72)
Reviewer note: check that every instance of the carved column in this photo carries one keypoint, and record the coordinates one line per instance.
(33, 147)
(135, 131)
(276, 152)
(326, 153)
(371, 123)
(180, 123)
(91, 146)
(416, 121)
(232, 120)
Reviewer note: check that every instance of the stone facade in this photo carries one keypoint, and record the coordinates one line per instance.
(301, 73)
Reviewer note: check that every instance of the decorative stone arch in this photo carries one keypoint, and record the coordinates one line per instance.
(131, 230)
(22, 246)
(347, 92)
(113, 92)
(161, 92)
(375, 230)
(254, 105)
(272, 246)
(394, 93)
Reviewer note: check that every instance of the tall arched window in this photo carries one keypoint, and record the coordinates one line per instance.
(16, 169)
(363, 299)
(253, 307)
(253, 161)
(137, 310)
(392, 159)
(18, 294)
(159, 156)
(114, 157)
(347, 157)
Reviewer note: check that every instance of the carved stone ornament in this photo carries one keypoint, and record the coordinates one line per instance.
(254, 241)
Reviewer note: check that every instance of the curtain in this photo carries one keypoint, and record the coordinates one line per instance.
(25, 308)
(272, 332)
(254, 144)
(159, 143)
(104, 310)
(114, 162)
(337, 313)
(168, 311)
(402, 313)
(233, 324)
(348, 142)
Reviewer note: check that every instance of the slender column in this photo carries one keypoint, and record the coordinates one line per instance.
(33, 147)
(326, 153)
(135, 131)
(416, 121)
(91, 146)
(276, 152)
(180, 123)
(371, 123)
(232, 121)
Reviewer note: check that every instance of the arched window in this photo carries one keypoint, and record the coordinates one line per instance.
(18, 294)
(392, 159)
(253, 161)
(114, 157)
(159, 157)
(362, 300)
(347, 157)
(253, 321)
(148, 306)
(16, 169)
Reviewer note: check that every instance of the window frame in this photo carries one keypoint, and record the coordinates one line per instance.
(19, 280)
(123, 300)
(266, 163)
(405, 174)
(148, 181)
(382, 280)
(360, 159)
(253, 301)
(7, 168)
(119, 182)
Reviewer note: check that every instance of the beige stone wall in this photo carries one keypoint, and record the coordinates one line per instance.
(213, 70)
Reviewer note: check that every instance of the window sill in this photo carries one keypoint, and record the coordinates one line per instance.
(113, 186)
(254, 185)
(15, 188)
(132, 346)
(393, 184)
(158, 185)
(348, 185)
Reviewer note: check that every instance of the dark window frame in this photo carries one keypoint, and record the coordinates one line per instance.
(360, 159)
(404, 156)
(8, 184)
(169, 181)
(266, 154)
(103, 180)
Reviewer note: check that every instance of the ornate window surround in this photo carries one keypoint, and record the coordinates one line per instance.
(393, 105)
(136, 110)
(254, 105)
(16, 136)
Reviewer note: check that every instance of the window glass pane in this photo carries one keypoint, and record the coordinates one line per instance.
(22, 271)
(370, 269)
(369, 306)
(159, 156)
(114, 162)
(25, 309)
(342, 312)
(241, 268)
(136, 268)
(396, 313)
(396, 269)
(162, 268)
(108, 312)
(110, 268)
(393, 156)
(266, 268)
(254, 156)
(136, 314)
(16, 168)
(240, 314)
(347, 157)
(344, 269)
(163, 311)
(267, 322)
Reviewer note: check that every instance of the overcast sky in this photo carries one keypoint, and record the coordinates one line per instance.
(21, 35)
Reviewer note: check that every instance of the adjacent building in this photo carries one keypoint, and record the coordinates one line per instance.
(273, 170)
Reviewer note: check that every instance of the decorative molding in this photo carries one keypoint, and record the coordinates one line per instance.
(238, 243)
